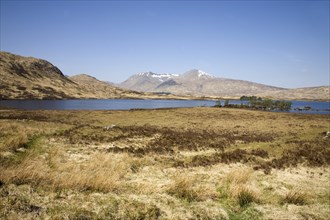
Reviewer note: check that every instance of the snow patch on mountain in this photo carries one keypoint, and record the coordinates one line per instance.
(164, 75)
(160, 76)
(202, 73)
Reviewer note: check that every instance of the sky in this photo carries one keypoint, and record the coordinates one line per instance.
(279, 43)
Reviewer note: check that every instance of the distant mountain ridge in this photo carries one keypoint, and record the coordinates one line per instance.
(200, 83)
(194, 82)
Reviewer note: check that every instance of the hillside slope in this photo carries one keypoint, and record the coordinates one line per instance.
(95, 88)
(32, 78)
(314, 93)
(29, 78)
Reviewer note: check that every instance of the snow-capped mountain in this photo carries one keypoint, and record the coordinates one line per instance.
(194, 82)
(146, 81)
(200, 74)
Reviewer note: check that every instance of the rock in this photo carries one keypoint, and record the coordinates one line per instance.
(22, 149)
(109, 127)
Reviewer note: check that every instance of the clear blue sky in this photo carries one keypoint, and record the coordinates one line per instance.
(280, 43)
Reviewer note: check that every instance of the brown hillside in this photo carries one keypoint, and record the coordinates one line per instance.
(32, 78)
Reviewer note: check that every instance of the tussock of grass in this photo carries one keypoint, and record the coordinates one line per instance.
(32, 172)
(239, 176)
(14, 143)
(244, 195)
(13, 136)
(101, 173)
(238, 187)
(295, 197)
(183, 188)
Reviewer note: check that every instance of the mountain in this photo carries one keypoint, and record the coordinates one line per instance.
(195, 83)
(146, 82)
(32, 78)
(199, 83)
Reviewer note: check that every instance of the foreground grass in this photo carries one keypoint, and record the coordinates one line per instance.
(198, 163)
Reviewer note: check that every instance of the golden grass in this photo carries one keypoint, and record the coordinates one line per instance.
(244, 194)
(296, 197)
(239, 185)
(239, 176)
(14, 143)
(183, 187)
(14, 135)
(100, 173)
(199, 163)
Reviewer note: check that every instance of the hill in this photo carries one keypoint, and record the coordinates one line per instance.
(32, 78)
(94, 88)
(308, 93)
(29, 78)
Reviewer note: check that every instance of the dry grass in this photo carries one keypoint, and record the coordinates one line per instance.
(245, 196)
(239, 185)
(13, 136)
(99, 173)
(239, 176)
(184, 187)
(12, 144)
(199, 163)
(295, 197)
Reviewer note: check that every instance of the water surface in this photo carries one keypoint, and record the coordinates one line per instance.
(126, 104)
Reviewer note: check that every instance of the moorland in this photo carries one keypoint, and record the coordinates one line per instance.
(189, 163)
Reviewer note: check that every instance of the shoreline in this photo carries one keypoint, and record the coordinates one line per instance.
(210, 98)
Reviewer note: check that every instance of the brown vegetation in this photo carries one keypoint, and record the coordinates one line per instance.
(199, 163)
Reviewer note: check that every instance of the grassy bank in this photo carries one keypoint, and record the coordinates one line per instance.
(196, 163)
